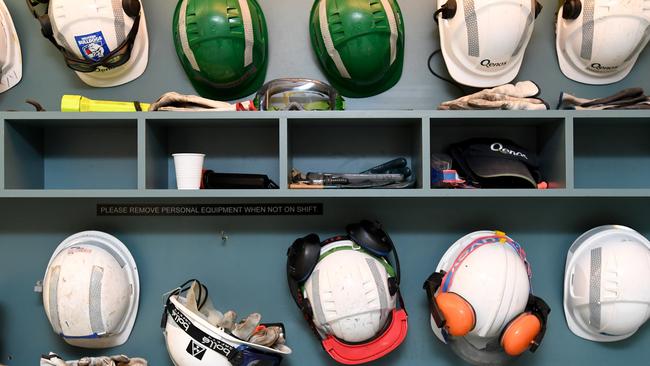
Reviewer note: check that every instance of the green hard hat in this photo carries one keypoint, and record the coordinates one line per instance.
(223, 46)
(359, 44)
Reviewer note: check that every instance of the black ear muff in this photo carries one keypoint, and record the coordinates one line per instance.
(131, 7)
(46, 26)
(302, 257)
(446, 11)
(571, 9)
(371, 237)
(538, 8)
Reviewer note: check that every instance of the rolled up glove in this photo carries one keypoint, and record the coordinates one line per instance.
(53, 359)
(249, 329)
(519, 96)
(631, 98)
(173, 101)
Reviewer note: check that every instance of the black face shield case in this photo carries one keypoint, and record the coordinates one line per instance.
(495, 163)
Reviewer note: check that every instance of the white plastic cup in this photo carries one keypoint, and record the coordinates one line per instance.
(189, 168)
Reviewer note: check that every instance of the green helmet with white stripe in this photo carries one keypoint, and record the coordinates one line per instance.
(359, 44)
(222, 45)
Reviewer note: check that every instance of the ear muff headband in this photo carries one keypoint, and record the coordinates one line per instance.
(571, 9)
(371, 236)
(498, 238)
(446, 11)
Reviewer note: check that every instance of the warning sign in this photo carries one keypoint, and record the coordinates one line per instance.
(226, 209)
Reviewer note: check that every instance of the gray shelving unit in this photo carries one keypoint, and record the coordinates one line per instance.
(582, 154)
(56, 168)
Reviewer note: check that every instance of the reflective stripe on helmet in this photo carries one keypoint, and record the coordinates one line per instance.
(594, 287)
(471, 21)
(317, 305)
(327, 40)
(379, 283)
(118, 13)
(587, 29)
(392, 23)
(248, 32)
(95, 301)
(53, 300)
(182, 31)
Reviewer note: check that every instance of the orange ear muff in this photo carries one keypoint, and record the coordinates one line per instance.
(458, 313)
(520, 334)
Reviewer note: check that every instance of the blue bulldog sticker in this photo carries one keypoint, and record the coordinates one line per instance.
(92, 46)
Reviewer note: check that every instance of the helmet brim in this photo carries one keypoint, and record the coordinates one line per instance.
(210, 329)
(14, 73)
(580, 246)
(116, 248)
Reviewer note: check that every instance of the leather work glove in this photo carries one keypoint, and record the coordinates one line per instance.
(173, 101)
(520, 96)
(249, 329)
(53, 359)
(631, 98)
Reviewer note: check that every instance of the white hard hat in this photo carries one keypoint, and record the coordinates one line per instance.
(598, 41)
(193, 341)
(489, 271)
(91, 30)
(349, 293)
(11, 65)
(483, 42)
(91, 290)
(607, 283)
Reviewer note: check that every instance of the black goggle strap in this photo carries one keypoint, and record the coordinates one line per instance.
(431, 286)
(69, 56)
(32, 4)
(539, 308)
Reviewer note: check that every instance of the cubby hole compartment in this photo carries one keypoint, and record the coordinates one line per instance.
(353, 145)
(544, 136)
(71, 154)
(230, 146)
(612, 152)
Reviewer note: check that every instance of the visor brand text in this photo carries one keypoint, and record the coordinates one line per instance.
(499, 148)
(488, 63)
(602, 68)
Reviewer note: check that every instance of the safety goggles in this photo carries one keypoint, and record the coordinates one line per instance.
(298, 94)
(115, 58)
